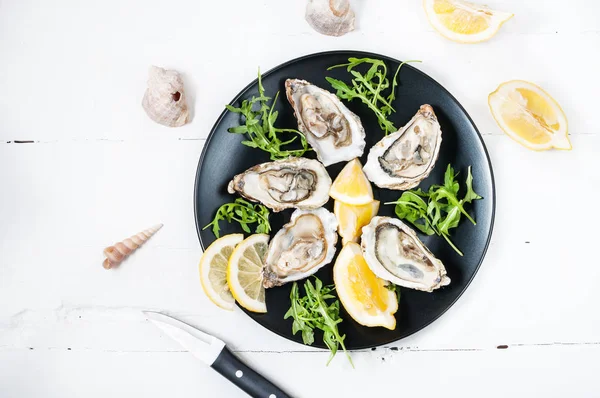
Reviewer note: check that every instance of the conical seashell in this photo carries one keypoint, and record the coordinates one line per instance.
(330, 17)
(164, 100)
(117, 253)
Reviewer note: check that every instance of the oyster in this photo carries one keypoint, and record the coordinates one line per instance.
(405, 158)
(301, 247)
(282, 184)
(330, 17)
(394, 253)
(335, 133)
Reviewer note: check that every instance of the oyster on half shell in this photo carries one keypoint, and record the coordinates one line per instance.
(301, 247)
(282, 184)
(405, 158)
(394, 253)
(334, 132)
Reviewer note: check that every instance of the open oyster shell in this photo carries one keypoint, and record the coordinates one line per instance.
(405, 158)
(334, 132)
(295, 182)
(394, 253)
(301, 247)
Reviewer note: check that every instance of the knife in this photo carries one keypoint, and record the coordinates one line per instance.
(215, 354)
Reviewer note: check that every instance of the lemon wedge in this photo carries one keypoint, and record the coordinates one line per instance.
(363, 295)
(245, 272)
(213, 270)
(351, 219)
(529, 115)
(352, 186)
(464, 22)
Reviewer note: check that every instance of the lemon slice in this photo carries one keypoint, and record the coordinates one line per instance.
(213, 270)
(245, 272)
(351, 219)
(363, 294)
(529, 115)
(463, 21)
(352, 186)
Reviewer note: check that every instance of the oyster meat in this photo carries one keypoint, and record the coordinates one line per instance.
(394, 253)
(301, 247)
(282, 184)
(334, 132)
(405, 158)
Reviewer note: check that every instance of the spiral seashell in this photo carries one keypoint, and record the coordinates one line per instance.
(164, 100)
(116, 254)
(330, 17)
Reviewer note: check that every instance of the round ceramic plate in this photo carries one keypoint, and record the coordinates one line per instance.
(224, 156)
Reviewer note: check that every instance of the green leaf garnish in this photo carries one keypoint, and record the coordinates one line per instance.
(369, 88)
(313, 311)
(394, 288)
(259, 126)
(439, 209)
(471, 195)
(244, 213)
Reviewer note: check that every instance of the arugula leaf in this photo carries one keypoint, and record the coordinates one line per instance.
(434, 212)
(244, 213)
(299, 314)
(411, 207)
(369, 88)
(259, 126)
(450, 221)
(438, 210)
(312, 311)
(449, 182)
(394, 288)
(471, 195)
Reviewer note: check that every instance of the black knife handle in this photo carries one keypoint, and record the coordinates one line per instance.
(245, 378)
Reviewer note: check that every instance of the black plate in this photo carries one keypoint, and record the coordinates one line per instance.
(223, 157)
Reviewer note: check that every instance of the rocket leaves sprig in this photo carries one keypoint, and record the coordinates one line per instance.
(315, 310)
(244, 213)
(438, 210)
(369, 88)
(259, 126)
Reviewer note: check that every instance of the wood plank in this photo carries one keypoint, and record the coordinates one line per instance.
(535, 371)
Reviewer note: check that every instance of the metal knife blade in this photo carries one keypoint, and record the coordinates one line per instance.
(214, 353)
(202, 345)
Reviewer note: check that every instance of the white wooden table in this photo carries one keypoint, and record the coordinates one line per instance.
(82, 166)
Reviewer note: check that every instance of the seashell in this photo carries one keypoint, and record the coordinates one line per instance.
(116, 254)
(330, 17)
(164, 100)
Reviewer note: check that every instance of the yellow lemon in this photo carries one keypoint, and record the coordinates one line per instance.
(363, 295)
(351, 219)
(463, 21)
(352, 186)
(529, 115)
(245, 272)
(213, 270)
